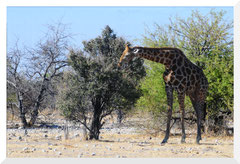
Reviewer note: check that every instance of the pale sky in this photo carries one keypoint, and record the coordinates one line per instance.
(28, 24)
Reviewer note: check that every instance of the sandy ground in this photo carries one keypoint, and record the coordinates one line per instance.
(125, 141)
(113, 143)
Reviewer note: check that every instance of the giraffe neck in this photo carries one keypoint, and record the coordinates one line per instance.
(160, 55)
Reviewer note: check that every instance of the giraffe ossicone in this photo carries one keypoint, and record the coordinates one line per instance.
(180, 75)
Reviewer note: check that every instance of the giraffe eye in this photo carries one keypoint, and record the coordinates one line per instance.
(135, 50)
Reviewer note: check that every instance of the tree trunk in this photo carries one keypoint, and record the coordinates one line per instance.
(95, 127)
(66, 131)
(85, 134)
(119, 116)
(34, 114)
(22, 111)
(96, 124)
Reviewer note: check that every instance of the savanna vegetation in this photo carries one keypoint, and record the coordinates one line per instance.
(86, 85)
(206, 40)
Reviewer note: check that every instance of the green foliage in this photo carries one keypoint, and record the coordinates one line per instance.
(154, 98)
(153, 88)
(206, 40)
(219, 71)
(97, 86)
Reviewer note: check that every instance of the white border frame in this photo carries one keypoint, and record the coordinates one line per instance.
(3, 10)
(236, 81)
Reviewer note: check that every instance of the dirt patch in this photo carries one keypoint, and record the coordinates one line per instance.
(113, 143)
(130, 140)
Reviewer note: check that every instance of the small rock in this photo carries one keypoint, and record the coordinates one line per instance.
(49, 148)
(76, 135)
(59, 153)
(54, 149)
(20, 138)
(217, 142)
(118, 156)
(93, 154)
(58, 137)
(189, 149)
(79, 155)
(63, 148)
(43, 150)
(9, 138)
(45, 135)
(33, 149)
(156, 149)
(207, 149)
(26, 148)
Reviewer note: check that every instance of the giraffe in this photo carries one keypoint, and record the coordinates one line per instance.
(180, 75)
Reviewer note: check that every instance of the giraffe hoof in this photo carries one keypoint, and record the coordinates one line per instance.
(183, 141)
(163, 143)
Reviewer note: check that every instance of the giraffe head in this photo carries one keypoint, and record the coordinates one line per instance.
(128, 54)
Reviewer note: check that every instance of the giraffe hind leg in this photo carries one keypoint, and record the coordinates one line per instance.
(200, 109)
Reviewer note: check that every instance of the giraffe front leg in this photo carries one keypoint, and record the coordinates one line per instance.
(181, 98)
(169, 92)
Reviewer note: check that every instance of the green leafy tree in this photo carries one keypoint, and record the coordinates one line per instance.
(206, 40)
(96, 86)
